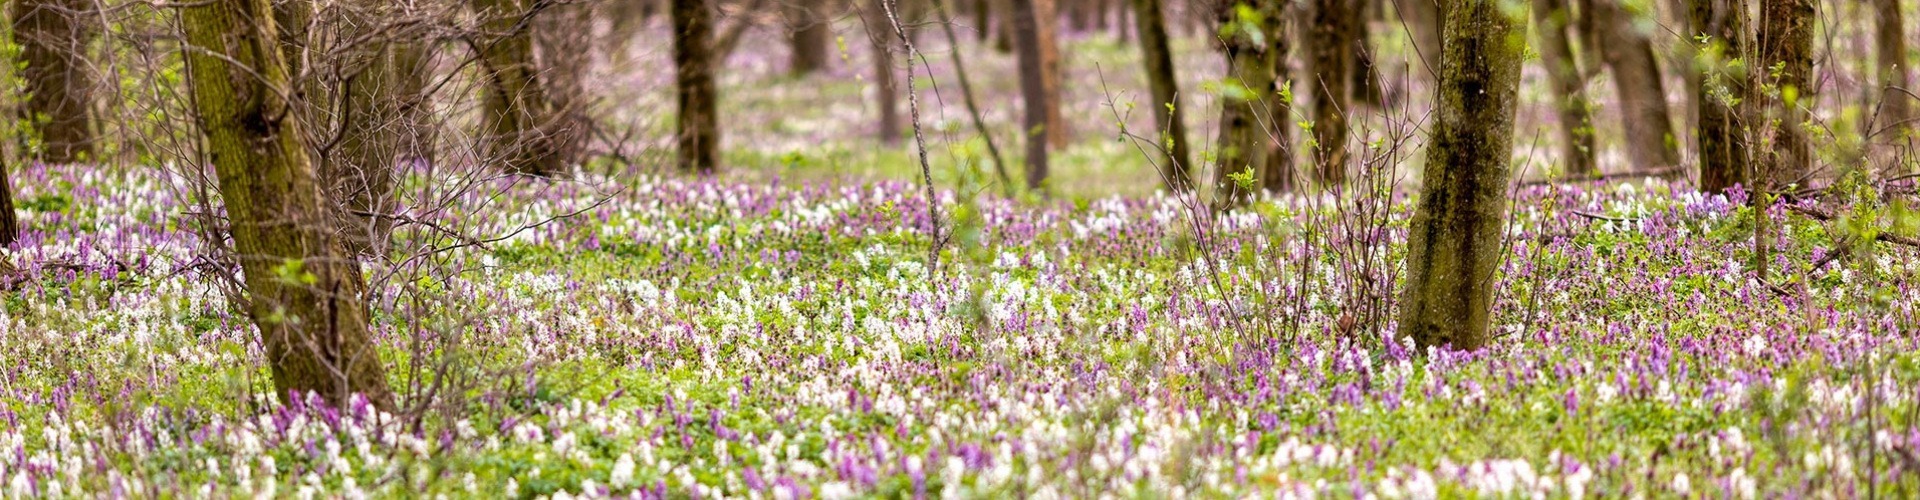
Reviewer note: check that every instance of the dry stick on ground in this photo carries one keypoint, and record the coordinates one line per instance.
(966, 95)
(919, 139)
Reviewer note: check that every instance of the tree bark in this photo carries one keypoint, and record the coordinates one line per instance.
(1786, 44)
(1157, 54)
(1004, 27)
(699, 126)
(1891, 50)
(1030, 25)
(880, 36)
(304, 292)
(1247, 39)
(1628, 52)
(810, 34)
(521, 131)
(53, 46)
(1455, 238)
(1335, 29)
(1722, 93)
(1569, 90)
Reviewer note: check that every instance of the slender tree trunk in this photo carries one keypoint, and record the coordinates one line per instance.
(1786, 43)
(1003, 35)
(1157, 53)
(1569, 90)
(983, 20)
(1455, 240)
(1244, 145)
(810, 35)
(699, 125)
(1366, 77)
(53, 46)
(1890, 42)
(1029, 20)
(973, 105)
(304, 292)
(1278, 174)
(1423, 20)
(360, 173)
(9, 221)
(1048, 37)
(1335, 29)
(886, 91)
(1722, 93)
(1643, 96)
(519, 115)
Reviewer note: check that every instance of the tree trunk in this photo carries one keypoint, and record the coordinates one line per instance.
(699, 124)
(1335, 29)
(1048, 33)
(1030, 20)
(1569, 90)
(1169, 125)
(1786, 43)
(1455, 239)
(520, 116)
(304, 291)
(360, 171)
(982, 20)
(1004, 27)
(1247, 38)
(1423, 20)
(1643, 96)
(1722, 94)
(1891, 49)
(53, 46)
(9, 221)
(810, 34)
(1366, 76)
(880, 35)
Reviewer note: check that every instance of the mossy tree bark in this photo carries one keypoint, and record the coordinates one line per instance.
(1721, 93)
(1335, 29)
(698, 133)
(304, 291)
(1250, 34)
(1786, 54)
(809, 34)
(1628, 53)
(1157, 54)
(1550, 21)
(1032, 22)
(1454, 241)
(1890, 47)
(523, 129)
(53, 44)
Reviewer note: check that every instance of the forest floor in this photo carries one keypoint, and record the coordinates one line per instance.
(706, 337)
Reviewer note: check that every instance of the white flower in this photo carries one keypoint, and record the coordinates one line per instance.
(1680, 483)
(622, 471)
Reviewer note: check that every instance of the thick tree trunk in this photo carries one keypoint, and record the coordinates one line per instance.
(1157, 53)
(886, 92)
(53, 47)
(1786, 43)
(1031, 20)
(1643, 97)
(1455, 239)
(1334, 34)
(9, 221)
(1048, 33)
(1366, 76)
(810, 35)
(982, 20)
(1890, 42)
(304, 292)
(521, 122)
(699, 124)
(1722, 94)
(1569, 90)
(1244, 146)
(1003, 35)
